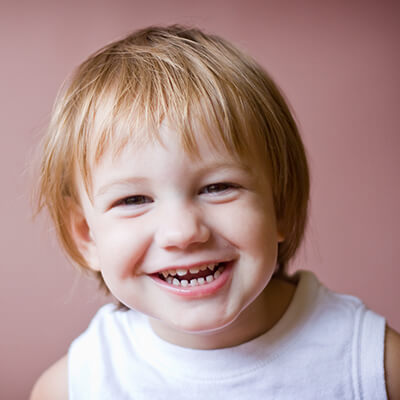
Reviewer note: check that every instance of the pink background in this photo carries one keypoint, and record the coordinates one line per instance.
(337, 62)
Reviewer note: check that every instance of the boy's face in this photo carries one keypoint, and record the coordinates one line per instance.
(191, 242)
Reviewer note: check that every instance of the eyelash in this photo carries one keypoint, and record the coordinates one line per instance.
(212, 189)
(218, 187)
(127, 201)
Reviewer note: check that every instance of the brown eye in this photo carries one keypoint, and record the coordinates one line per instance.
(216, 188)
(134, 200)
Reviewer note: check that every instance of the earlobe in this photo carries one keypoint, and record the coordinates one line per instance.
(280, 230)
(280, 236)
(82, 237)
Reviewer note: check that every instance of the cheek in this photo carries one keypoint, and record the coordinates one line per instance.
(120, 248)
(247, 226)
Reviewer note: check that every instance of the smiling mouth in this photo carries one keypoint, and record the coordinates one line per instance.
(196, 276)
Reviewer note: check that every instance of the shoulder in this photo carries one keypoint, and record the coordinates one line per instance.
(392, 363)
(53, 383)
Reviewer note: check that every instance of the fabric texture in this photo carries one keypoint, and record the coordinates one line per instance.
(325, 346)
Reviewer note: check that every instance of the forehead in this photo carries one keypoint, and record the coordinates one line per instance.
(202, 144)
(144, 147)
(195, 137)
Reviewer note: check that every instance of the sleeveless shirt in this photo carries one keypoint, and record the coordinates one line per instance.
(325, 346)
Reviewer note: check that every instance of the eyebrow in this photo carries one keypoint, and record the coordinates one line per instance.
(118, 182)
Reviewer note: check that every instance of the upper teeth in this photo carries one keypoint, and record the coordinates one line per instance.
(195, 282)
(184, 271)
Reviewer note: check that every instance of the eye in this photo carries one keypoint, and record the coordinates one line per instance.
(217, 188)
(136, 200)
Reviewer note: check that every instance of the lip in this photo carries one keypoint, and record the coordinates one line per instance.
(199, 291)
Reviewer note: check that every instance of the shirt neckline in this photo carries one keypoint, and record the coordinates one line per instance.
(225, 363)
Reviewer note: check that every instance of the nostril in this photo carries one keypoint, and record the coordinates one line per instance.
(182, 234)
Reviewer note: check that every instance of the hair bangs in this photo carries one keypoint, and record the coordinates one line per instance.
(129, 103)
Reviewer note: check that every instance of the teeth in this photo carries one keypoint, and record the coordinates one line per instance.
(211, 267)
(193, 282)
(170, 275)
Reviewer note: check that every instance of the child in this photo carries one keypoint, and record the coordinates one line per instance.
(174, 171)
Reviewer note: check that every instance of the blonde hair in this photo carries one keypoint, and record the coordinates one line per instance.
(188, 77)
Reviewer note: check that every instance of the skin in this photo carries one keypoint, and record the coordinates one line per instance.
(156, 208)
(392, 363)
(53, 383)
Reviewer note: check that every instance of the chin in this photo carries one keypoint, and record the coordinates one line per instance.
(204, 326)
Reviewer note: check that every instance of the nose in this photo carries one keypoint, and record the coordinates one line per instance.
(181, 227)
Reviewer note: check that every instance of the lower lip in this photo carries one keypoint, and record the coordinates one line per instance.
(198, 291)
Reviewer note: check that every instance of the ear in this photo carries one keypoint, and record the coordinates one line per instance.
(82, 237)
(280, 230)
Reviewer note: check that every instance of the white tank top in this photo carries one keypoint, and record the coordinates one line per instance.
(326, 346)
